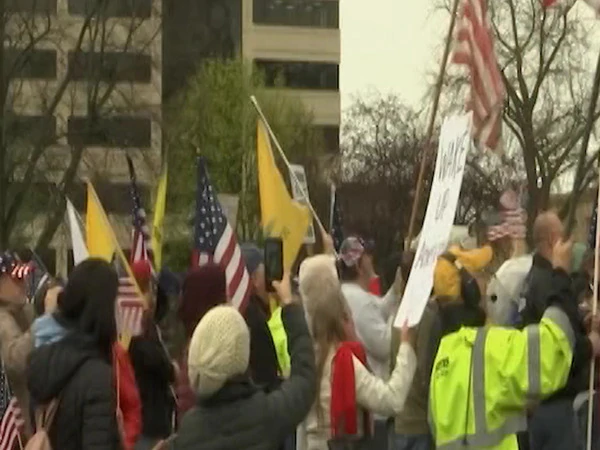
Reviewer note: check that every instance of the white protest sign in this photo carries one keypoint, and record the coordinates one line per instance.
(447, 180)
(297, 191)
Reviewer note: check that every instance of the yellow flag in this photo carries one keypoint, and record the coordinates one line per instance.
(159, 218)
(99, 233)
(280, 215)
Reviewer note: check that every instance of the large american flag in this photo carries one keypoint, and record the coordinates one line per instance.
(474, 48)
(12, 417)
(214, 240)
(594, 4)
(141, 243)
(513, 219)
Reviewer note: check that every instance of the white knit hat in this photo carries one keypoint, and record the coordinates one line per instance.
(219, 350)
(317, 278)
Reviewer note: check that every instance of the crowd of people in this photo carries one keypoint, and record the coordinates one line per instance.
(315, 366)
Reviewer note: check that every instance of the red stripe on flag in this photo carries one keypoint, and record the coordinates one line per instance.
(474, 49)
(11, 424)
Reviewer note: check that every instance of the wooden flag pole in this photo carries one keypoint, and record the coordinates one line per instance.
(436, 102)
(594, 311)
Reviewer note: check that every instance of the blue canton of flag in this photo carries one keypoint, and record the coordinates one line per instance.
(593, 224)
(141, 246)
(214, 240)
(337, 229)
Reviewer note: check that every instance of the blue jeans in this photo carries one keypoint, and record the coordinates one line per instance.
(411, 442)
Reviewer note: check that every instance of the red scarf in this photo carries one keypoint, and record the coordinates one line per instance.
(343, 408)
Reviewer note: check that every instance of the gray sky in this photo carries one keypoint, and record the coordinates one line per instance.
(388, 45)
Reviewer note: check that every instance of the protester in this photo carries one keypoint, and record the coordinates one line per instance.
(499, 369)
(154, 370)
(203, 288)
(346, 390)
(77, 369)
(547, 231)
(232, 413)
(372, 315)
(16, 341)
(264, 365)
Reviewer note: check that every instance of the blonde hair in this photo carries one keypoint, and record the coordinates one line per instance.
(326, 309)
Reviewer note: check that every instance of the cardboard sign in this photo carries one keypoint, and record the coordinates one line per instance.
(297, 192)
(454, 145)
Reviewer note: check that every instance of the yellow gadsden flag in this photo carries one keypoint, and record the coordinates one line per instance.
(159, 218)
(280, 215)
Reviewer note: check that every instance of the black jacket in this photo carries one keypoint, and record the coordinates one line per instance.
(241, 416)
(564, 296)
(539, 289)
(264, 366)
(74, 370)
(154, 374)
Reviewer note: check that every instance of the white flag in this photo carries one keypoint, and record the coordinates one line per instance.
(80, 251)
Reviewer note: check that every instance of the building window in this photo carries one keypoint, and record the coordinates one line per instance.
(38, 129)
(331, 137)
(31, 6)
(308, 13)
(141, 9)
(31, 64)
(301, 75)
(119, 131)
(111, 66)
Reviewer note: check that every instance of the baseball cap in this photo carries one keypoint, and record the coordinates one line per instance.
(11, 265)
(353, 248)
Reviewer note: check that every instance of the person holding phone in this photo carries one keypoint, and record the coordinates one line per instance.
(264, 365)
(232, 412)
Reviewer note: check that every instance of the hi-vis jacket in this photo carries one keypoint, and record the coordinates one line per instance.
(484, 378)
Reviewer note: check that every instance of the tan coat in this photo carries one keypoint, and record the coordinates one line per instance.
(16, 343)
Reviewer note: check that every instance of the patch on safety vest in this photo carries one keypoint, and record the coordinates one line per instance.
(441, 367)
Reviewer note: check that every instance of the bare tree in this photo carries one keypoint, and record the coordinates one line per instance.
(542, 57)
(64, 70)
(382, 146)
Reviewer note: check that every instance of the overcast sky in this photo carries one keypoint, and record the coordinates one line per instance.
(388, 45)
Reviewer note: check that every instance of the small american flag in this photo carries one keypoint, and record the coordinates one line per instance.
(141, 247)
(474, 48)
(337, 230)
(12, 417)
(214, 240)
(130, 309)
(593, 224)
(513, 219)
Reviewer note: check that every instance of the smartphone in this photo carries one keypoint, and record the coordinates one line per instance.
(273, 262)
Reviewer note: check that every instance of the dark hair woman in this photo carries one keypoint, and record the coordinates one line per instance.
(77, 370)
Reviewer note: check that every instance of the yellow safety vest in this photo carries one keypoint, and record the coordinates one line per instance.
(484, 378)
(279, 337)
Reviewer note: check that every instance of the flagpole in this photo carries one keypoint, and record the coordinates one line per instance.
(286, 161)
(436, 102)
(594, 311)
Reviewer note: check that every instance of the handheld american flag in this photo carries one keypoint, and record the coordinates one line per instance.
(141, 243)
(474, 48)
(214, 240)
(512, 216)
(12, 417)
(130, 307)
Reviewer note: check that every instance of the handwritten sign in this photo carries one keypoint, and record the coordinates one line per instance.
(439, 217)
(297, 191)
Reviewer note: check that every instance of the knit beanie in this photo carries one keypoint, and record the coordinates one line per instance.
(253, 257)
(446, 278)
(219, 350)
(203, 288)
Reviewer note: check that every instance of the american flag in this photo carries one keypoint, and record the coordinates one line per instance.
(593, 224)
(214, 240)
(474, 48)
(337, 230)
(141, 246)
(130, 309)
(594, 4)
(12, 418)
(513, 219)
